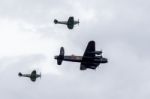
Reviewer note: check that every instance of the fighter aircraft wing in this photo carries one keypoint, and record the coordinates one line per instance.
(33, 78)
(88, 53)
(33, 72)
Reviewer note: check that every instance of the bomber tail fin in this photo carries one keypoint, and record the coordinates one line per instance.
(60, 57)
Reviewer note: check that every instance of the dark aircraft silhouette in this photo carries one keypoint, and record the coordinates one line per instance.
(33, 76)
(90, 59)
(70, 23)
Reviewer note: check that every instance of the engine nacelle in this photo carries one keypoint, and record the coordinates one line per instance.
(104, 60)
(97, 60)
(97, 57)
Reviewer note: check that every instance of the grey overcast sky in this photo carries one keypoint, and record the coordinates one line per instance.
(29, 40)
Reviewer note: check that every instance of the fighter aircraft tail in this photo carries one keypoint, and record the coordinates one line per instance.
(20, 74)
(61, 56)
(55, 21)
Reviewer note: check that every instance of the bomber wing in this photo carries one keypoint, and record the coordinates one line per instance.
(88, 53)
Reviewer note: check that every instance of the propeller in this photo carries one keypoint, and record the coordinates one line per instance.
(101, 52)
(78, 22)
(40, 75)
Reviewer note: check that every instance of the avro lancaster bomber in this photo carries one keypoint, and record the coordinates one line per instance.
(90, 59)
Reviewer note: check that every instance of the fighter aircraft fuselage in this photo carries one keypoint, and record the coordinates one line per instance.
(32, 76)
(70, 23)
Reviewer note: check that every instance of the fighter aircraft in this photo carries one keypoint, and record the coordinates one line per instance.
(70, 23)
(33, 76)
(90, 59)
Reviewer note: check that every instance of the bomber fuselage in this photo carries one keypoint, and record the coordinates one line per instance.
(89, 60)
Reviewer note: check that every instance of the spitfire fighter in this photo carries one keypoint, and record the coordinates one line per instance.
(33, 76)
(70, 23)
(90, 59)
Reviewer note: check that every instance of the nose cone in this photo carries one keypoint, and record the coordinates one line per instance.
(104, 60)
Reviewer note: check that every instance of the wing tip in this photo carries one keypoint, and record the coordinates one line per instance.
(92, 41)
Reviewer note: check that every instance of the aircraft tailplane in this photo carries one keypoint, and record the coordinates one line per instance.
(61, 56)
(20, 74)
(55, 21)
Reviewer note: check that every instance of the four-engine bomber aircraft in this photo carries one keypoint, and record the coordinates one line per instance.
(70, 23)
(33, 76)
(90, 59)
